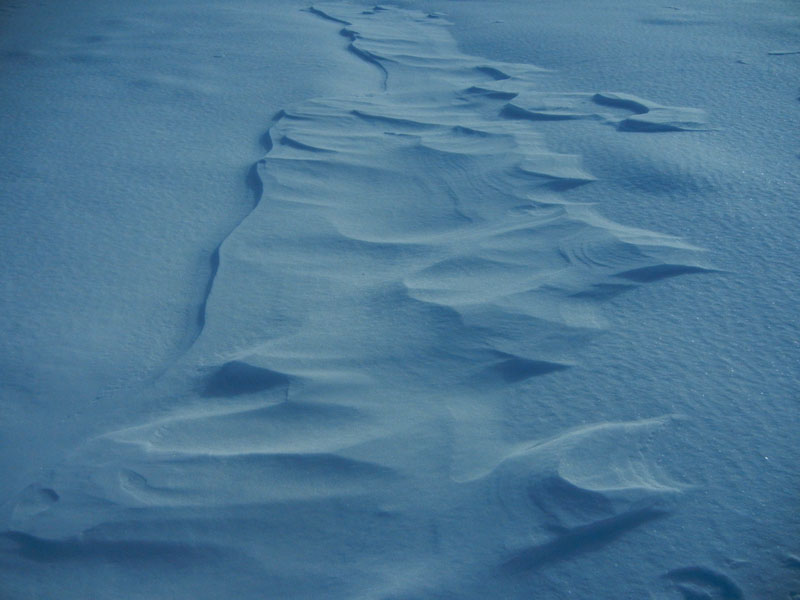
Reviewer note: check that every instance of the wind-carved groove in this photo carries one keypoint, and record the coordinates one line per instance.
(366, 56)
(315, 11)
(572, 542)
(256, 187)
(353, 47)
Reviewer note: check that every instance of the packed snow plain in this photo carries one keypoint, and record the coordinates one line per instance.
(449, 299)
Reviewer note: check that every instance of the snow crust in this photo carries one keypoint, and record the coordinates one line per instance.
(353, 301)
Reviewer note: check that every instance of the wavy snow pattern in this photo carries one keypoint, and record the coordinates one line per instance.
(414, 253)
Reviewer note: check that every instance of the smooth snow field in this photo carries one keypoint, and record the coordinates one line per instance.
(448, 299)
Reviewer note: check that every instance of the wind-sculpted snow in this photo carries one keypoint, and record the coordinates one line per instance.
(414, 256)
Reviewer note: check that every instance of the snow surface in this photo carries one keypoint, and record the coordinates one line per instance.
(435, 299)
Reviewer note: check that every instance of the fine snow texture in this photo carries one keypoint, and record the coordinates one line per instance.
(339, 419)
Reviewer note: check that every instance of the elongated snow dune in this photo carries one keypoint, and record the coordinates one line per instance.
(336, 425)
